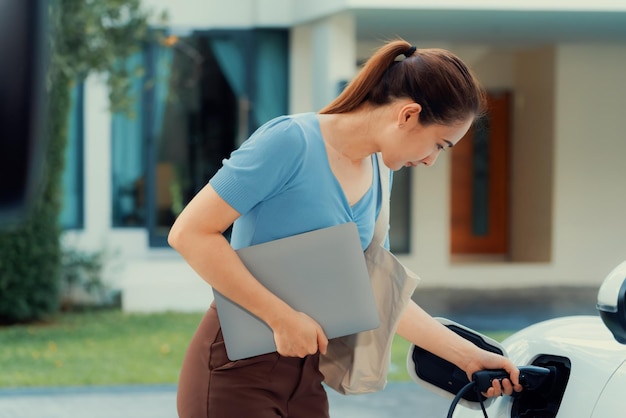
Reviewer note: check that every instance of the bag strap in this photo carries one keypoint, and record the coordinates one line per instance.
(382, 222)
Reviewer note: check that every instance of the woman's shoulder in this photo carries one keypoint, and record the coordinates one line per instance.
(293, 131)
(298, 122)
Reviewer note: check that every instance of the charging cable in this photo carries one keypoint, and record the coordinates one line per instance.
(530, 377)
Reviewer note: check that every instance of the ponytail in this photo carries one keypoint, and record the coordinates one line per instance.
(357, 91)
(438, 80)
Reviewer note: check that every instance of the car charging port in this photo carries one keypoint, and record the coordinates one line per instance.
(544, 400)
(530, 377)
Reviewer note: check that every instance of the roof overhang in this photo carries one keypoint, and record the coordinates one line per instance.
(491, 26)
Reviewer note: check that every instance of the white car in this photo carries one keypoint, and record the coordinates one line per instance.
(572, 367)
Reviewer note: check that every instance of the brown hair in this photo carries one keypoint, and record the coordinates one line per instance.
(437, 79)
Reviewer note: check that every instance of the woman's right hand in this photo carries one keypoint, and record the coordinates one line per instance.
(299, 335)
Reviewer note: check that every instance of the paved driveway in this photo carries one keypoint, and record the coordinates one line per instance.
(398, 400)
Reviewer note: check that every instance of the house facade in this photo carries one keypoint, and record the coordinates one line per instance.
(535, 198)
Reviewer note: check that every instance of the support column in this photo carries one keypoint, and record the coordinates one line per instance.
(97, 162)
(300, 69)
(333, 50)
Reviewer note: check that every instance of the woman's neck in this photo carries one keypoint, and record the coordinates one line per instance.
(352, 135)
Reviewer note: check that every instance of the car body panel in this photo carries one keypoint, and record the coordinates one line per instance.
(598, 373)
(611, 402)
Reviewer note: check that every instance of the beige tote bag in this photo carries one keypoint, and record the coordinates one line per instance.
(359, 363)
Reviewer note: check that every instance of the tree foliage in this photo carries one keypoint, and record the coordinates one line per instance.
(86, 37)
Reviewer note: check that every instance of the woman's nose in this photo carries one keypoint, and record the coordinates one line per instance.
(430, 160)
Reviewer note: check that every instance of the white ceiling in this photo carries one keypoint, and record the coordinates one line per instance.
(491, 27)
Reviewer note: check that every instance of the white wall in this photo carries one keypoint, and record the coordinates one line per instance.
(333, 51)
(301, 69)
(323, 53)
(608, 5)
(590, 195)
(204, 14)
(532, 155)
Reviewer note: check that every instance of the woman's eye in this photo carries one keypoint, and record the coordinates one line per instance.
(441, 147)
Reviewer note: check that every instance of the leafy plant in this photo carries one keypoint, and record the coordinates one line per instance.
(82, 279)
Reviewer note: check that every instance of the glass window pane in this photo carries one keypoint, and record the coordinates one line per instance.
(400, 213)
(210, 91)
(272, 73)
(127, 154)
(480, 179)
(71, 216)
(174, 126)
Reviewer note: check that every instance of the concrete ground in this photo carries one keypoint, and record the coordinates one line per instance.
(480, 310)
(398, 400)
(507, 309)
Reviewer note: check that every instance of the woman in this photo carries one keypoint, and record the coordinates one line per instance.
(303, 172)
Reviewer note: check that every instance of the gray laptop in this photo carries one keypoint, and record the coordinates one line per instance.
(321, 273)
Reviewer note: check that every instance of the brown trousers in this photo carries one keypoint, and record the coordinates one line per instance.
(266, 386)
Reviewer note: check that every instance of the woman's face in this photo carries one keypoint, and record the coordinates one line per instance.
(418, 144)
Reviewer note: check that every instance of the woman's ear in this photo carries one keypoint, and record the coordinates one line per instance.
(409, 114)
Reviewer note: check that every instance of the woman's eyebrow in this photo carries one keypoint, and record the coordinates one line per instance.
(450, 144)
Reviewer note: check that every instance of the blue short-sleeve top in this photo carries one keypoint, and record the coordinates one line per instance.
(281, 183)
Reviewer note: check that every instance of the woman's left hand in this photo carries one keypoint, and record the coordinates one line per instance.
(485, 360)
(424, 331)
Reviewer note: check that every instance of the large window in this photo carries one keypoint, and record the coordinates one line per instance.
(128, 165)
(200, 96)
(400, 213)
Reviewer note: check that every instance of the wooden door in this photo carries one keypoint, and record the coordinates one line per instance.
(479, 222)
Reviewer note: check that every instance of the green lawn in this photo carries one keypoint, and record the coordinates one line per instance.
(99, 348)
(110, 348)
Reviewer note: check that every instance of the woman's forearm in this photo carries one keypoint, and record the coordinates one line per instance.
(214, 260)
(198, 236)
(421, 329)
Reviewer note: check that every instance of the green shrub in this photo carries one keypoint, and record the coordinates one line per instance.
(29, 270)
(30, 252)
